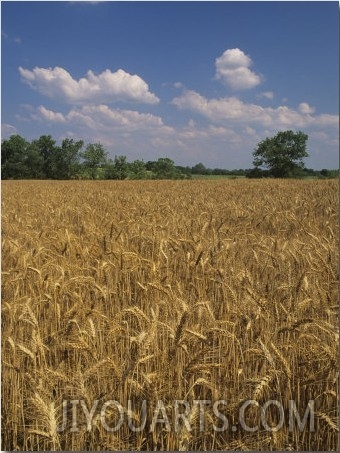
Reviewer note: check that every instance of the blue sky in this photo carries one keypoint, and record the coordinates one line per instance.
(193, 81)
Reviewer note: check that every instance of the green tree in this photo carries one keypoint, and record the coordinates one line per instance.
(67, 159)
(13, 158)
(117, 168)
(46, 146)
(121, 167)
(109, 170)
(164, 168)
(151, 165)
(199, 169)
(283, 154)
(329, 173)
(34, 162)
(94, 157)
(138, 169)
(325, 173)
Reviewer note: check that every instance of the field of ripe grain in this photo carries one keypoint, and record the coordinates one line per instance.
(170, 293)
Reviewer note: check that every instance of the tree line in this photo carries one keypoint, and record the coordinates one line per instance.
(42, 158)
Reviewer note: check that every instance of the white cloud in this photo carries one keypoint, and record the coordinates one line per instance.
(213, 145)
(7, 130)
(266, 94)
(226, 140)
(327, 120)
(237, 127)
(228, 108)
(51, 116)
(143, 135)
(233, 109)
(104, 117)
(107, 125)
(108, 86)
(305, 108)
(232, 67)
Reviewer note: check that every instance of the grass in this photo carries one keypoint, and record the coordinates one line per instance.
(159, 291)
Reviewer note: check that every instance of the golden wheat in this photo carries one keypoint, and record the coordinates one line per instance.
(164, 291)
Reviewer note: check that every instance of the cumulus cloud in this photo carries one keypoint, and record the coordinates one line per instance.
(108, 86)
(232, 67)
(306, 109)
(109, 118)
(217, 110)
(51, 116)
(233, 109)
(105, 119)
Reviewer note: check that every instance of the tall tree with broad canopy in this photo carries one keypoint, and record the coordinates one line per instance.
(34, 162)
(13, 155)
(66, 160)
(46, 146)
(283, 154)
(164, 168)
(94, 157)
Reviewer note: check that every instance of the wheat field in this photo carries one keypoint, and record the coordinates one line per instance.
(163, 292)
